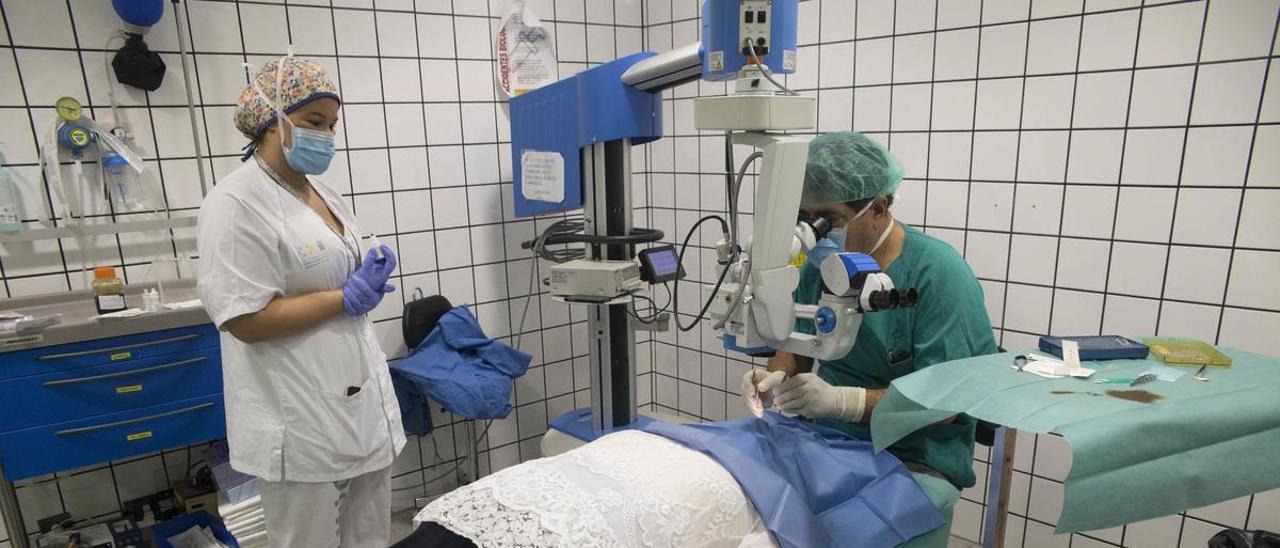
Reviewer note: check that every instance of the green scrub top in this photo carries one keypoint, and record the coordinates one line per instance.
(949, 323)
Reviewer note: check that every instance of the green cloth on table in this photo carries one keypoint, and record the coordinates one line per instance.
(1200, 444)
(950, 323)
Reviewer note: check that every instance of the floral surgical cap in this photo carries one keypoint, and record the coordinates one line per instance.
(303, 81)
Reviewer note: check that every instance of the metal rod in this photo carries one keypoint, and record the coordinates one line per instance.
(595, 222)
(109, 376)
(12, 513)
(620, 336)
(126, 422)
(998, 482)
(51, 357)
(191, 104)
(472, 470)
(607, 210)
(730, 190)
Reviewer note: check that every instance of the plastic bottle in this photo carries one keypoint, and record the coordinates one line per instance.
(151, 300)
(108, 290)
(10, 214)
(123, 183)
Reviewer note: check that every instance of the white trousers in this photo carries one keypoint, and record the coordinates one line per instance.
(353, 513)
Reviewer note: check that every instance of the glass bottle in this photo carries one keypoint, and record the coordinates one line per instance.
(108, 290)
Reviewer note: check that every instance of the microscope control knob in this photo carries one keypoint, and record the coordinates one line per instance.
(825, 320)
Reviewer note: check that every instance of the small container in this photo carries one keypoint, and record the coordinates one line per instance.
(175, 526)
(150, 300)
(108, 290)
(10, 206)
(1104, 347)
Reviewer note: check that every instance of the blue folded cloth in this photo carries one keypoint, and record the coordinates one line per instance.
(461, 368)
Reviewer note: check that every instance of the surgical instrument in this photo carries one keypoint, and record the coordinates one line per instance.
(1131, 381)
(1200, 376)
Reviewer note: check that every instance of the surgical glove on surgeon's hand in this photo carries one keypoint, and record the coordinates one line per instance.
(757, 389)
(808, 395)
(364, 290)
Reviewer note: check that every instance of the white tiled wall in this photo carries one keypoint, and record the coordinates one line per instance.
(423, 156)
(1104, 166)
(1037, 136)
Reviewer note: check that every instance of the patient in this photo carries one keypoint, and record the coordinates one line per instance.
(745, 483)
(623, 487)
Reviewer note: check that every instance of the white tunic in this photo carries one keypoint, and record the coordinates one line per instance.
(288, 414)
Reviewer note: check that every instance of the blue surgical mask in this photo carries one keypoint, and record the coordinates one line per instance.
(833, 243)
(311, 151)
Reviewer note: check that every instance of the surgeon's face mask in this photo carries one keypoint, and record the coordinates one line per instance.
(834, 242)
(312, 150)
(831, 244)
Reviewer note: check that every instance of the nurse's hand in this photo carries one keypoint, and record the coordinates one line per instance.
(379, 268)
(358, 298)
(807, 394)
(376, 271)
(364, 290)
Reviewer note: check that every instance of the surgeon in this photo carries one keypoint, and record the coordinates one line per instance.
(310, 406)
(850, 180)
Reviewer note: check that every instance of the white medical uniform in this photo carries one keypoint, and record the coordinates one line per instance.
(290, 421)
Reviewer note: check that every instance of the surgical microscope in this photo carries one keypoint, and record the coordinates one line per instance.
(571, 145)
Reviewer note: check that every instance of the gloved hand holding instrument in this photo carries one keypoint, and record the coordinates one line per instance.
(364, 289)
(757, 389)
(808, 395)
(805, 395)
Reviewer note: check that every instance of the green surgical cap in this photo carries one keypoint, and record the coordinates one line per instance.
(847, 166)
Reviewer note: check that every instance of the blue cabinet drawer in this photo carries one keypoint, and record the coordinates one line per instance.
(116, 350)
(73, 444)
(63, 396)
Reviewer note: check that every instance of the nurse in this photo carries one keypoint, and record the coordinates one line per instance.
(309, 402)
(850, 180)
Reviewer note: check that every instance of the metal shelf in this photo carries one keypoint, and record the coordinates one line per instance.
(33, 234)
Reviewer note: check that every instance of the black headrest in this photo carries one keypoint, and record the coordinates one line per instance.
(421, 316)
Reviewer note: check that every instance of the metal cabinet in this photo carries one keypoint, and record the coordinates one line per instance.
(77, 404)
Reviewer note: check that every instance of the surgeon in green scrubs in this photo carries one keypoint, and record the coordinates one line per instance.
(850, 180)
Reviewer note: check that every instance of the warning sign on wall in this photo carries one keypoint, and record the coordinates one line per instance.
(525, 58)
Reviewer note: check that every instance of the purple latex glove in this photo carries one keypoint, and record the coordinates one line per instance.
(364, 290)
(380, 267)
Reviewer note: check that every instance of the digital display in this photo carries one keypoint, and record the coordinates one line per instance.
(664, 262)
(660, 265)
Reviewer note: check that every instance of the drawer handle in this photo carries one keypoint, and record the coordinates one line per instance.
(108, 376)
(82, 430)
(117, 348)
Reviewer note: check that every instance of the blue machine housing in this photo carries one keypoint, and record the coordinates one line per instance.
(593, 106)
(720, 29)
(858, 263)
(731, 344)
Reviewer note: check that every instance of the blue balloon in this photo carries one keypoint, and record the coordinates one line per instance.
(142, 13)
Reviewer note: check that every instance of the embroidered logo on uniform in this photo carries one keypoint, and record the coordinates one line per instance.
(311, 254)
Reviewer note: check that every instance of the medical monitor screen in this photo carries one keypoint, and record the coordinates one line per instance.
(660, 265)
